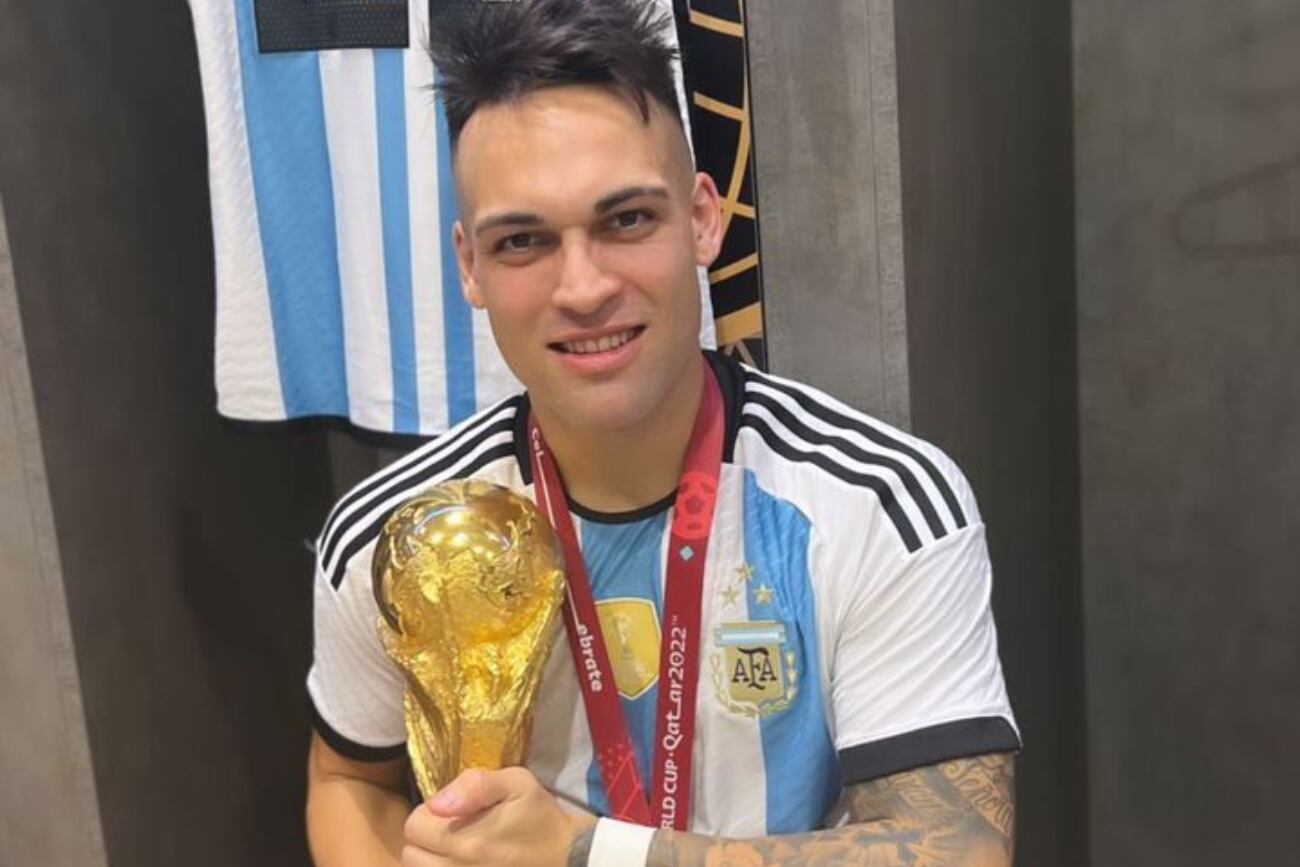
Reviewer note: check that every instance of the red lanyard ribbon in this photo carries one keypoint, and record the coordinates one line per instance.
(679, 652)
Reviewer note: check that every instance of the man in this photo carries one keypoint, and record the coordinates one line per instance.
(793, 597)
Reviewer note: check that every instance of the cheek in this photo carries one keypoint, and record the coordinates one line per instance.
(658, 264)
(515, 296)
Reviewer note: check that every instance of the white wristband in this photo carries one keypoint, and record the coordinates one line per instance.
(619, 844)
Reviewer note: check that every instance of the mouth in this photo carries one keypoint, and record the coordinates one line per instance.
(597, 345)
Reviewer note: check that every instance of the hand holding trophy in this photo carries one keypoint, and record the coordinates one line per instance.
(469, 578)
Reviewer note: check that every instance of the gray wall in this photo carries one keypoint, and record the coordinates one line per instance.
(180, 537)
(980, 353)
(985, 119)
(826, 150)
(44, 756)
(1188, 118)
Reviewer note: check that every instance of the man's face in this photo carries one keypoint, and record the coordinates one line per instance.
(581, 229)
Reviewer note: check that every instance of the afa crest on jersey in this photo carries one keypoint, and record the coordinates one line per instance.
(754, 669)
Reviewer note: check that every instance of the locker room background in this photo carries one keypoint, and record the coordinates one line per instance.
(1060, 240)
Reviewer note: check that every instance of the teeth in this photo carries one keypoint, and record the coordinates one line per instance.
(602, 344)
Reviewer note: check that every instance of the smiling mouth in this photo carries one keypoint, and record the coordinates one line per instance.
(596, 345)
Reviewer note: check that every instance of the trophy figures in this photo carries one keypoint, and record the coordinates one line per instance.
(469, 578)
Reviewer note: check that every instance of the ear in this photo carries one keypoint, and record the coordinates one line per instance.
(706, 219)
(465, 263)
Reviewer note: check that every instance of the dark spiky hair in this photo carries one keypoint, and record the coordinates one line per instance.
(494, 52)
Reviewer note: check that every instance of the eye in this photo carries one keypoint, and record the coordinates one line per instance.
(628, 222)
(516, 243)
(629, 219)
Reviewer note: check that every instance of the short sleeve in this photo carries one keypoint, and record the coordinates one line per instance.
(915, 677)
(356, 692)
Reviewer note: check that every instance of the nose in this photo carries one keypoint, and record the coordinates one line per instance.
(585, 287)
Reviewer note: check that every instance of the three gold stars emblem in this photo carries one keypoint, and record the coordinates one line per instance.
(763, 594)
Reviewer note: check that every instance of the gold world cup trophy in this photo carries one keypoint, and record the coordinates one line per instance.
(469, 577)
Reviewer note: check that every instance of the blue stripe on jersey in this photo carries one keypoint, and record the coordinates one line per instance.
(395, 211)
(624, 560)
(457, 324)
(798, 754)
(285, 115)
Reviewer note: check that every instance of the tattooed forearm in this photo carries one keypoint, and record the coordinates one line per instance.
(987, 784)
(958, 814)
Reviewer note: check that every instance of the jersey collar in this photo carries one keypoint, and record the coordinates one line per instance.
(732, 384)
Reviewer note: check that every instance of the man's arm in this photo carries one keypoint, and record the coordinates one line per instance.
(955, 814)
(355, 810)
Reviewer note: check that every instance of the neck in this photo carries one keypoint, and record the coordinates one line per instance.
(620, 470)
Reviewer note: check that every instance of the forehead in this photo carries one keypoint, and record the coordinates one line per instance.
(562, 146)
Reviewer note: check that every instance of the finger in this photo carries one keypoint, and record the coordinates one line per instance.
(428, 832)
(473, 792)
(413, 856)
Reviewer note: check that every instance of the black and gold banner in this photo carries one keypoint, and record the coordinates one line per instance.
(715, 62)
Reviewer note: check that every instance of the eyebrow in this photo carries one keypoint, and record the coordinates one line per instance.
(608, 203)
(613, 200)
(515, 218)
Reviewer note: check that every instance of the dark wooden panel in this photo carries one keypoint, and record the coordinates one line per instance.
(188, 585)
(986, 127)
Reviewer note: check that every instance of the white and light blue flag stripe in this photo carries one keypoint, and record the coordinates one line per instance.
(337, 290)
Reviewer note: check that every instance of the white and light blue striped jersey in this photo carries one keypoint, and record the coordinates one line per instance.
(332, 207)
(847, 633)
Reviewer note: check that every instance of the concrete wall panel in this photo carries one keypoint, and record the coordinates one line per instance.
(1188, 124)
(826, 145)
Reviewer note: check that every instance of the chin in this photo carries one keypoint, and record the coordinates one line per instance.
(609, 412)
